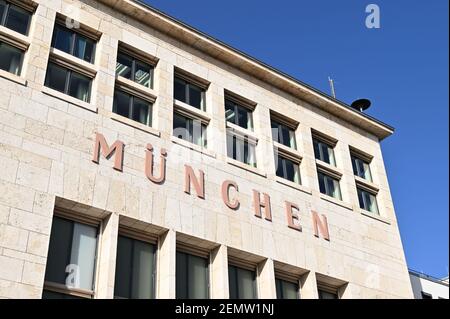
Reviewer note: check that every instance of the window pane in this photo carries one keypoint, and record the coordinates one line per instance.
(317, 150)
(244, 118)
(62, 39)
(367, 173)
(275, 133)
(280, 166)
(142, 74)
(279, 288)
(197, 132)
(197, 277)
(59, 251)
(246, 284)
(361, 199)
(232, 282)
(180, 90)
(2, 10)
(325, 157)
(292, 171)
(195, 96)
(336, 193)
(332, 160)
(327, 295)
(10, 58)
(322, 183)
(122, 284)
(286, 289)
(285, 136)
(142, 271)
(354, 166)
(84, 48)
(230, 115)
(142, 111)
(181, 276)
(181, 126)
(123, 66)
(18, 19)
(84, 245)
(56, 77)
(80, 87)
(121, 103)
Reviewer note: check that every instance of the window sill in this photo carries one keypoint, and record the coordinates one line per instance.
(135, 88)
(192, 146)
(69, 99)
(15, 38)
(13, 77)
(325, 167)
(237, 130)
(365, 183)
(375, 216)
(286, 150)
(134, 124)
(296, 186)
(247, 167)
(189, 110)
(336, 201)
(72, 62)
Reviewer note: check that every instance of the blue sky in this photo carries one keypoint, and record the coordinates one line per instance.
(401, 67)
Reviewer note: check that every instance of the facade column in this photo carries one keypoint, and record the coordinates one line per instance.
(165, 276)
(219, 288)
(107, 257)
(266, 280)
(308, 286)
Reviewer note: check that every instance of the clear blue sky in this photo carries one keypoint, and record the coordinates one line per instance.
(402, 67)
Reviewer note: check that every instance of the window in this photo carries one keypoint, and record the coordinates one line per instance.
(286, 289)
(329, 185)
(327, 294)
(191, 276)
(189, 93)
(11, 58)
(191, 130)
(71, 259)
(242, 283)
(73, 43)
(238, 114)
(324, 152)
(367, 201)
(361, 168)
(288, 169)
(426, 295)
(132, 107)
(68, 82)
(134, 69)
(241, 148)
(14, 17)
(283, 134)
(135, 269)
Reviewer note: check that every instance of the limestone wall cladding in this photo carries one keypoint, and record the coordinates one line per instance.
(46, 147)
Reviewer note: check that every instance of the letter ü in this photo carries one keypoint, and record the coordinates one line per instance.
(149, 165)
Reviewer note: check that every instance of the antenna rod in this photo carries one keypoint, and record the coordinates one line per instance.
(333, 93)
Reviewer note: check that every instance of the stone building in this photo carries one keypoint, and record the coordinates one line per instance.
(141, 158)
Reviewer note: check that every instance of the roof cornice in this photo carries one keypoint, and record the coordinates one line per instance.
(245, 63)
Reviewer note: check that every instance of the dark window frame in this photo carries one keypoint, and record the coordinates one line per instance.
(155, 248)
(280, 138)
(284, 167)
(187, 84)
(131, 107)
(61, 289)
(73, 37)
(282, 282)
(68, 81)
(320, 155)
(327, 190)
(207, 270)
(6, 12)
(254, 283)
(236, 107)
(189, 121)
(22, 57)
(365, 207)
(135, 60)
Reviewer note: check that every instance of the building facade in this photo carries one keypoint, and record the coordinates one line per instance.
(141, 158)
(428, 287)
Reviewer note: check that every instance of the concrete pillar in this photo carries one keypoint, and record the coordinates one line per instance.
(218, 283)
(308, 286)
(165, 274)
(266, 280)
(106, 266)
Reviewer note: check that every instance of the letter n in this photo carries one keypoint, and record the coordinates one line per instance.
(198, 183)
(320, 225)
(107, 151)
